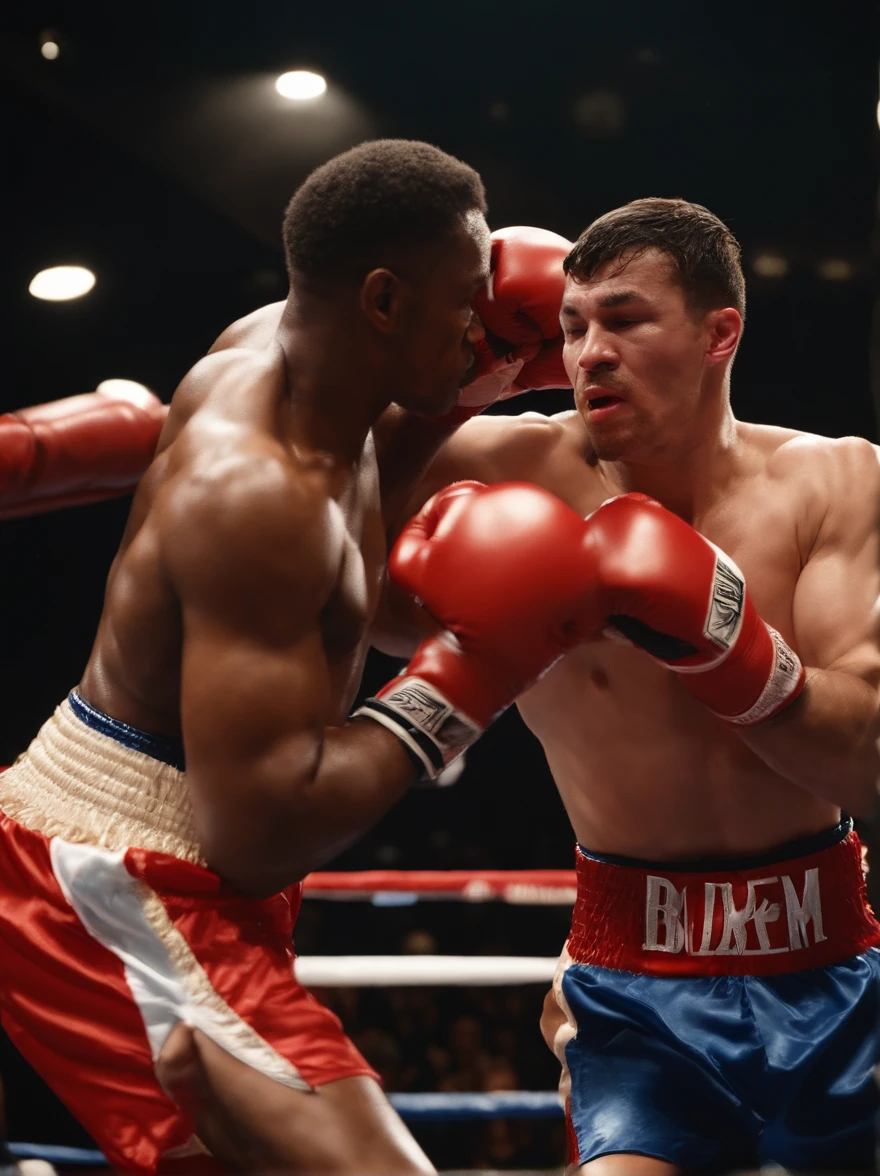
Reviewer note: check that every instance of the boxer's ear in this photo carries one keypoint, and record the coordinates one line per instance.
(381, 300)
(724, 331)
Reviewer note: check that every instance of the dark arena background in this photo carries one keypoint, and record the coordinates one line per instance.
(151, 146)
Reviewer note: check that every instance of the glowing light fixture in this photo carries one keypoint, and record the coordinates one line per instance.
(61, 283)
(836, 269)
(50, 50)
(300, 84)
(770, 265)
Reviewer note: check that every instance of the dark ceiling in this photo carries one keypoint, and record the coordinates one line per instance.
(155, 150)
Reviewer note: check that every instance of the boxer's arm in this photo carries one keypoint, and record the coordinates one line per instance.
(826, 741)
(253, 560)
(78, 450)
(517, 347)
(486, 449)
(406, 445)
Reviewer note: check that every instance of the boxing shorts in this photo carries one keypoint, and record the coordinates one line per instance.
(722, 1015)
(113, 930)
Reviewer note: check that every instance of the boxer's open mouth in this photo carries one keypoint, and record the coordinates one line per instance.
(602, 401)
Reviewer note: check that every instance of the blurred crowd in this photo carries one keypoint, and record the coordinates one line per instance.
(459, 1040)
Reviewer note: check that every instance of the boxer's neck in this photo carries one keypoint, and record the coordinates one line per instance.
(691, 475)
(335, 394)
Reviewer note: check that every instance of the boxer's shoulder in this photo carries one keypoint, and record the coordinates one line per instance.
(825, 464)
(834, 481)
(833, 469)
(221, 373)
(224, 393)
(224, 525)
(788, 450)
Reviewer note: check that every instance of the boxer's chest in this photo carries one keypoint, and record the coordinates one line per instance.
(604, 686)
(764, 533)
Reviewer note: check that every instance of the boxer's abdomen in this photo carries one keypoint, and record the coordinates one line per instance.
(645, 771)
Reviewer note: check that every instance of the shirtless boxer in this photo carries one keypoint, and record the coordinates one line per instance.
(146, 912)
(717, 1001)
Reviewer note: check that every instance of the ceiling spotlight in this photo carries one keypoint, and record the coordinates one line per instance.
(61, 283)
(300, 84)
(770, 265)
(50, 50)
(836, 269)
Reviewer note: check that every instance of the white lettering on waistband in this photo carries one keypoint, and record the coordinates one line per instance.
(807, 909)
(664, 909)
(667, 928)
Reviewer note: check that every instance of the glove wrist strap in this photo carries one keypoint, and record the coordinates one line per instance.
(429, 726)
(784, 683)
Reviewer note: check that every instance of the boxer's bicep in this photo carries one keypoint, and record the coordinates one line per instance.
(836, 608)
(253, 728)
(252, 576)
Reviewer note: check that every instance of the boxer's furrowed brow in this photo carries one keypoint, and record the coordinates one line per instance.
(620, 298)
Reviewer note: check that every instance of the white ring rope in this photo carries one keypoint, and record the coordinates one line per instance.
(379, 971)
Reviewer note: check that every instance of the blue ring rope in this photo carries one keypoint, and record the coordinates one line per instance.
(430, 1107)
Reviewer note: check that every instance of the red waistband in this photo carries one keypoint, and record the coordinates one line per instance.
(780, 916)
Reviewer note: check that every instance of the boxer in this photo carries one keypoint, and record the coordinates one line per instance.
(155, 832)
(716, 1005)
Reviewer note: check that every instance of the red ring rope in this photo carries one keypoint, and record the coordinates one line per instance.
(522, 886)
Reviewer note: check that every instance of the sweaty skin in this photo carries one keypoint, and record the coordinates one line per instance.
(236, 616)
(644, 770)
(237, 609)
(229, 410)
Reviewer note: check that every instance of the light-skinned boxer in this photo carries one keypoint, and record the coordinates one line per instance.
(716, 1005)
(155, 832)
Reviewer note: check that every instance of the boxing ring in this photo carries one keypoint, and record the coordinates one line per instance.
(395, 888)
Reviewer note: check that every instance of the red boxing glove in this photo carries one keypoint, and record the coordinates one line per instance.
(677, 596)
(77, 450)
(507, 570)
(545, 370)
(520, 311)
(522, 300)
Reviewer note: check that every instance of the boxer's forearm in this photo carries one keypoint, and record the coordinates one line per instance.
(287, 823)
(826, 741)
(406, 444)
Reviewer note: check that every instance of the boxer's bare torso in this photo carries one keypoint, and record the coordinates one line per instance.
(229, 417)
(643, 769)
(236, 617)
(236, 612)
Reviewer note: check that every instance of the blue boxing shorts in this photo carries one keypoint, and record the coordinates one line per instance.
(724, 1015)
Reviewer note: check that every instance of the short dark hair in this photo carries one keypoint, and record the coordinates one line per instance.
(381, 195)
(704, 253)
